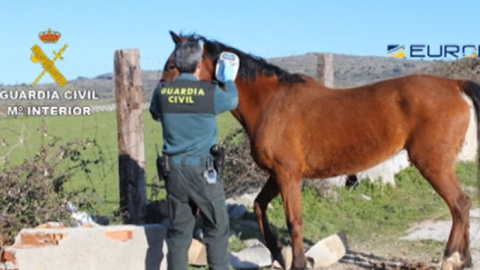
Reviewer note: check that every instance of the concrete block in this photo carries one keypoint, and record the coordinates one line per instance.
(244, 199)
(254, 256)
(121, 247)
(287, 256)
(324, 253)
(197, 253)
(327, 251)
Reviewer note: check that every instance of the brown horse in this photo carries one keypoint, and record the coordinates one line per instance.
(299, 128)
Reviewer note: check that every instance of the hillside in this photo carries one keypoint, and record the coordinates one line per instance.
(102, 85)
(350, 70)
(353, 70)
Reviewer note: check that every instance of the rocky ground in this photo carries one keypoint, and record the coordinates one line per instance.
(392, 257)
(427, 230)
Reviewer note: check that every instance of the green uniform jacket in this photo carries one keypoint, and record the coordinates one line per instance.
(187, 108)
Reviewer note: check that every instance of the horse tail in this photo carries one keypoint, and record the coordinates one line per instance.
(472, 90)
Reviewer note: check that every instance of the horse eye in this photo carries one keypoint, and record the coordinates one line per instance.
(171, 66)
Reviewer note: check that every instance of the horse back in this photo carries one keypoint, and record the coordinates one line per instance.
(338, 131)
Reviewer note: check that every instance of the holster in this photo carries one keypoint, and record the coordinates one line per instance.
(163, 167)
(218, 154)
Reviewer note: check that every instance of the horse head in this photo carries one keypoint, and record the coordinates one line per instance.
(207, 63)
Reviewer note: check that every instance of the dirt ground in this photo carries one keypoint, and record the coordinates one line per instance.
(361, 261)
(429, 230)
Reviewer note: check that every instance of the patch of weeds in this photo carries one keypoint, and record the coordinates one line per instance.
(34, 192)
(467, 173)
(383, 217)
(235, 243)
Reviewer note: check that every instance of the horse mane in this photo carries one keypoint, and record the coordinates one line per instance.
(250, 65)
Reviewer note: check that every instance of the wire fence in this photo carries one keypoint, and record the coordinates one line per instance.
(24, 137)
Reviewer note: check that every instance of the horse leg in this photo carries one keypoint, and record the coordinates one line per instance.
(268, 192)
(290, 189)
(456, 254)
(436, 164)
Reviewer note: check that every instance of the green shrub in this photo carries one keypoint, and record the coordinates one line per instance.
(35, 191)
(241, 174)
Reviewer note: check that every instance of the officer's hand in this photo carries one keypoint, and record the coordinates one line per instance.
(228, 72)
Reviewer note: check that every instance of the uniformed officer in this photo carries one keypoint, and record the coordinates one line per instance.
(186, 109)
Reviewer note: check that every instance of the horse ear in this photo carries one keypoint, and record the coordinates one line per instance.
(175, 37)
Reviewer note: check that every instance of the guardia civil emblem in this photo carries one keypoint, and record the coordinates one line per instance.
(48, 37)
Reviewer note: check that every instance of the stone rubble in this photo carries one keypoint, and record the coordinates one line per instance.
(139, 246)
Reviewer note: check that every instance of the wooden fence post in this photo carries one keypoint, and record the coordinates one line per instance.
(131, 153)
(325, 70)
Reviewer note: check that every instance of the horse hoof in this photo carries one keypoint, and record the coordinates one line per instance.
(454, 262)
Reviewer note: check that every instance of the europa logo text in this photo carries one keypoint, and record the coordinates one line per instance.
(433, 51)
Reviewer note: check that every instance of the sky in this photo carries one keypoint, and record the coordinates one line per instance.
(93, 30)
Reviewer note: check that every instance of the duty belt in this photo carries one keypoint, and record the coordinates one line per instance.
(189, 160)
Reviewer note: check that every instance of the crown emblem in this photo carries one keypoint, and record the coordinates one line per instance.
(49, 36)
